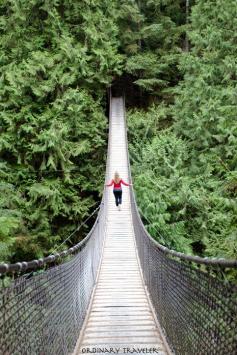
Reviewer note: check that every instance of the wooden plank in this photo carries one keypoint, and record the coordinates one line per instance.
(128, 301)
(122, 340)
(117, 269)
(92, 327)
(118, 317)
(121, 308)
(118, 286)
(121, 333)
(118, 275)
(139, 319)
(119, 312)
(121, 296)
(121, 278)
(116, 282)
(120, 303)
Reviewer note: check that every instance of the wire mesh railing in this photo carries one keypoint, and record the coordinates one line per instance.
(42, 312)
(194, 302)
(195, 306)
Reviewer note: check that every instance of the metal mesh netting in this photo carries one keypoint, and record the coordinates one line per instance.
(44, 312)
(197, 310)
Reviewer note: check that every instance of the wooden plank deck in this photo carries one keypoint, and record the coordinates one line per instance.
(120, 315)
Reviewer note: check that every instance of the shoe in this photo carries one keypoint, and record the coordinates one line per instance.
(119, 208)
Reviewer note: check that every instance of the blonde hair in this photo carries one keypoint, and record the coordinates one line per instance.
(116, 177)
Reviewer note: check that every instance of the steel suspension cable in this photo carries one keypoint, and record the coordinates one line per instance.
(77, 229)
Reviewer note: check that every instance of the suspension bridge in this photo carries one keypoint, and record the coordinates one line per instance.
(118, 291)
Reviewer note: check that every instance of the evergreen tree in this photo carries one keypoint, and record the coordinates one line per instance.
(205, 114)
(56, 59)
(153, 61)
(192, 164)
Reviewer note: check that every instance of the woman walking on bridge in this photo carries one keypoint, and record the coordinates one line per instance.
(117, 182)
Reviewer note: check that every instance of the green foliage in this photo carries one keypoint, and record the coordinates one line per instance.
(56, 59)
(189, 212)
(153, 44)
(10, 218)
(184, 155)
(205, 108)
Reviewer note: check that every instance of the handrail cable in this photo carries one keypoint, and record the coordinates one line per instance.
(34, 264)
(212, 261)
(77, 229)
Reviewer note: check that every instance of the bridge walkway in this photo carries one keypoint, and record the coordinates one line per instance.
(120, 314)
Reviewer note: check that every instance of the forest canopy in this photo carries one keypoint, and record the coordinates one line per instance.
(57, 57)
(178, 60)
(185, 172)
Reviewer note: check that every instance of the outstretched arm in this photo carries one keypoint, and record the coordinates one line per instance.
(111, 183)
(124, 183)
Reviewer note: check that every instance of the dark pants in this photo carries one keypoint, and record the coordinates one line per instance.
(118, 197)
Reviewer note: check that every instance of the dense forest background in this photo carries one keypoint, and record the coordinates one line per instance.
(176, 62)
